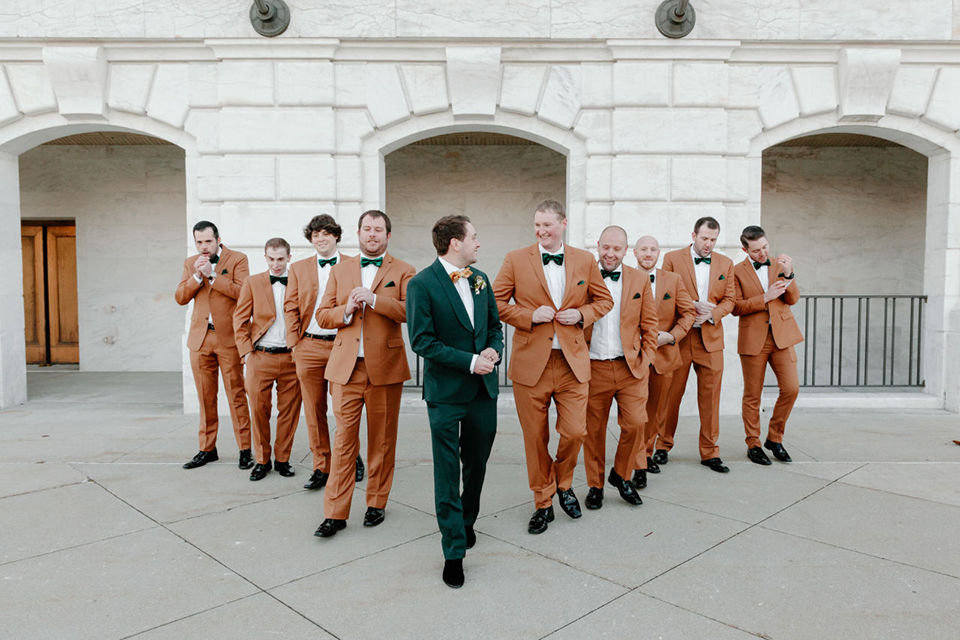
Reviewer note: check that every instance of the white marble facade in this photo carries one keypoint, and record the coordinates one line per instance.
(654, 133)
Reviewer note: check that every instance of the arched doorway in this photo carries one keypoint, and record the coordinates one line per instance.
(495, 179)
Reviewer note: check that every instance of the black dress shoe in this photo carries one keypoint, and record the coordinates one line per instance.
(373, 517)
(627, 492)
(757, 456)
(652, 466)
(317, 480)
(360, 469)
(260, 472)
(778, 451)
(538, 523)
(471, 537)
(660, 456)
(569, 503)
(594, 498)
(284, 469)
(453, 573)
(329, 528)
(202, 458)
(246, 459)
(715, 464)
(639, 479)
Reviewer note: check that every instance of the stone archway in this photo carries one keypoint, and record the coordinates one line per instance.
(15, 139)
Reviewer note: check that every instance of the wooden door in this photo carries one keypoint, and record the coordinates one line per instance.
(64, 326)
(34, 294)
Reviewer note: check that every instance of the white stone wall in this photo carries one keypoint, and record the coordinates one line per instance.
(128, 203)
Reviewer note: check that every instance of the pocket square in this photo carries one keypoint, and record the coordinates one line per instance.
(224, 272)
(389, 284)
(580, 283)
(666, 296)
(636, 295)
(722, 277)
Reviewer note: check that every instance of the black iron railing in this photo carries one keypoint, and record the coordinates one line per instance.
(860, 340)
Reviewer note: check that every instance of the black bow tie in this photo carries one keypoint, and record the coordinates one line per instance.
(281, 279)
(613, 275)
(757, 265)
(215, 259)
(547, 257)
(330, 261)
(376, 261)
(652, 278)
(699, 260)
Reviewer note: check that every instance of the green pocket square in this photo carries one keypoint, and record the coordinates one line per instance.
(666, 296)
(580, 283)
(224, 272)
(636, 295)
(389, 284)
(721, 277)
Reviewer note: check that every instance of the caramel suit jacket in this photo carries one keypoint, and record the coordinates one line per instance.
(638, 322)
(676, 314)
(383, 345)
(521, 278)
(301, 297)
(720, 290)
(218, 299)
(256, 311)
(756, 315)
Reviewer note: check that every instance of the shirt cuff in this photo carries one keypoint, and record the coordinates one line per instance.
(473, 363)
(373, 305)
(347, 318)
(198, 278)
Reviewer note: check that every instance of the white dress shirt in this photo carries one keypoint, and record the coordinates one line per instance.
(466, 296)
(323, 275)
(276, 335)
(702, 272)
(606, 343)
(764, 274)
(556, 276)
(653, 283)
(213, 276)
(367, 275)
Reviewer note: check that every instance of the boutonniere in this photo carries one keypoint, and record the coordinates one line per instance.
(580, 283)
(389, 284)
(224, 272)
(666, 296)
(722, 277)
(479, 284)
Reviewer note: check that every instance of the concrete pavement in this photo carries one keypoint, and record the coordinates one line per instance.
(105, 536)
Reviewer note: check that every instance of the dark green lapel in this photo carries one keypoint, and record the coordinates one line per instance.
(446, 285)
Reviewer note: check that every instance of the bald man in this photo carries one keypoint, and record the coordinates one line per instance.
(675, 315)
(623, 344)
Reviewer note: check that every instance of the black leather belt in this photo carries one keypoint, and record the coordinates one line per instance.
(210, 327)
(317, 336)
(272, 349)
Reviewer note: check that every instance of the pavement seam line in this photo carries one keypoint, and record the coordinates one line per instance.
(217, 560)
(187, 617)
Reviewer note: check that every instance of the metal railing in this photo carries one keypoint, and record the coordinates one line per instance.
(860, 341)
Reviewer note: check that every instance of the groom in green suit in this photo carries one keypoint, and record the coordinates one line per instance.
(454, 326)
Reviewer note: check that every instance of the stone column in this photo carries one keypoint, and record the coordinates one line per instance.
(13, 368)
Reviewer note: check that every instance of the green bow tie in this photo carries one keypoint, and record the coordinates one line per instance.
(547, 257)
(757, 265)
(330, 261)
(215, 259)
(613, 275)
(365, 261)
(699, 260)
(281, 279)
(651, 278)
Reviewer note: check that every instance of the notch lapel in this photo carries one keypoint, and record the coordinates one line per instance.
(569, 286)
(692, 273)
(537, 265)
(381, 271)
(453, 297)
(266, 290)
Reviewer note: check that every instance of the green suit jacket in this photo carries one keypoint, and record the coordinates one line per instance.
(441, 334)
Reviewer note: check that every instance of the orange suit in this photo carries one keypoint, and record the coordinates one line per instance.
(256, 312)
(702, 347)
(675, 313)
(768, 333)
(624, 379)
(539, 372)
(374, 381)
(213, 349)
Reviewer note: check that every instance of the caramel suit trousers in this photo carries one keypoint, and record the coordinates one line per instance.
(657, 387)
(784, 365)
(709, 369)
(311, 357)
(205, 362)
(263, 371)
(382, 403)
(609, 380)
(559, 384)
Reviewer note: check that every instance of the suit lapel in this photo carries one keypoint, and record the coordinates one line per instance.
(453, 296)
(569, 286)
(312, 286)
(266, 290)
(660, 288)
(692, 273)
(627, 284)
(536, 264)
(381, 271)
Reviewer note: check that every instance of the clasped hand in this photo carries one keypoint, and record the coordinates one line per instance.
(203, 266)
(564, 316)
(486, 361)
(357, 298)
